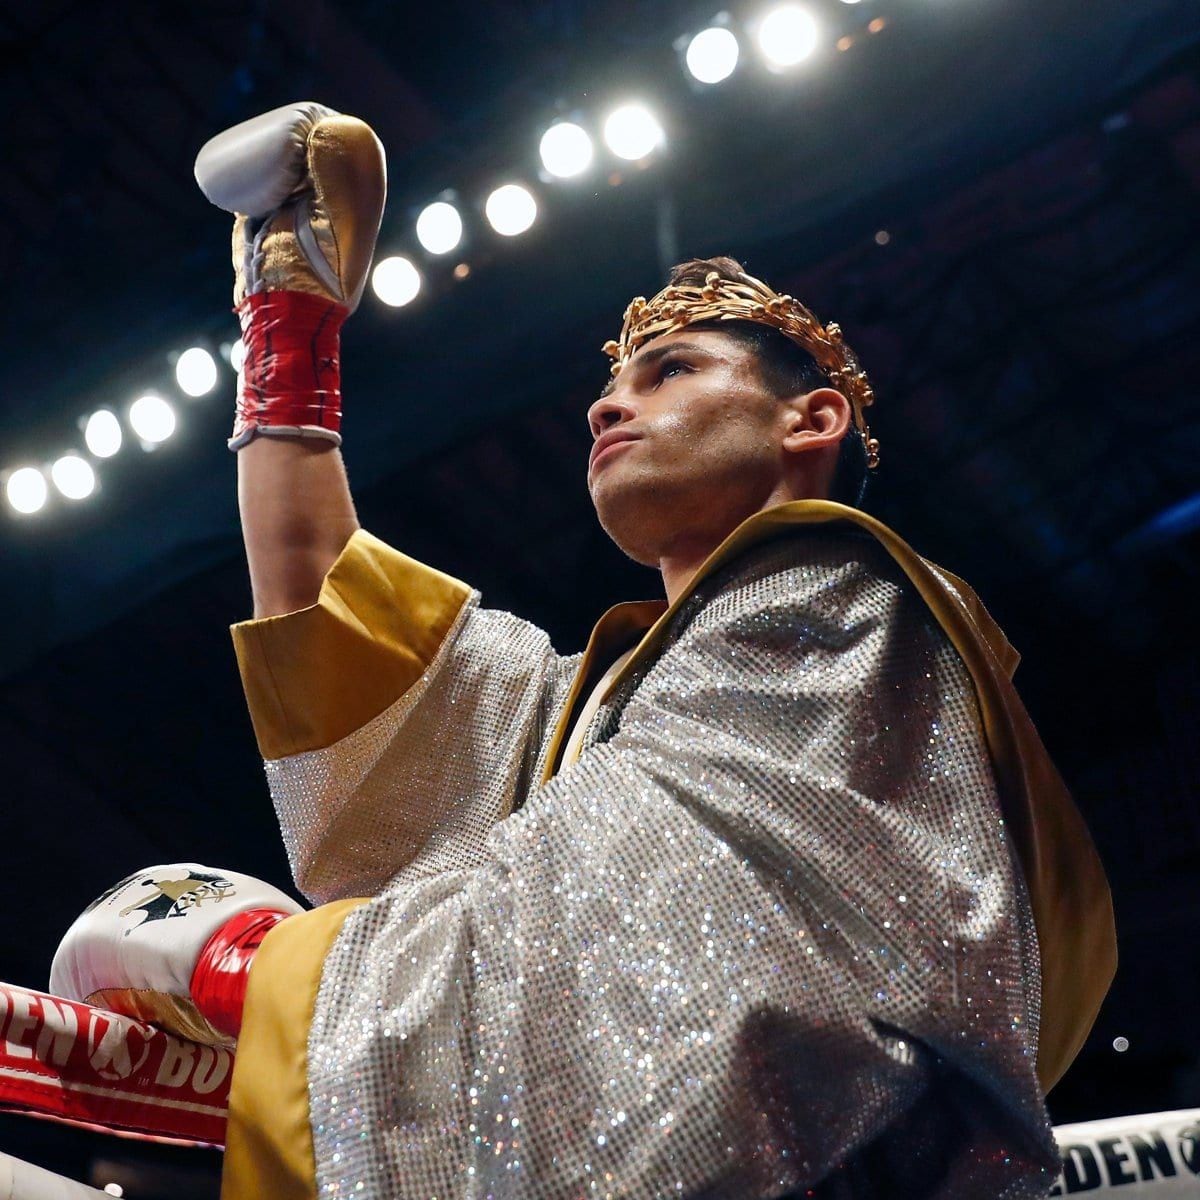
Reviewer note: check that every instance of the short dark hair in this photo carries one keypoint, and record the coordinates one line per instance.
(785, 367)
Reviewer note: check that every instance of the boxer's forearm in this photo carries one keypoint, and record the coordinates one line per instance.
(297, 516)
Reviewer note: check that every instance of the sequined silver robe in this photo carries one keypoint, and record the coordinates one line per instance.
(767, 934)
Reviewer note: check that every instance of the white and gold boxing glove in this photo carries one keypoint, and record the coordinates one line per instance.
(308, 186)
(171, 945)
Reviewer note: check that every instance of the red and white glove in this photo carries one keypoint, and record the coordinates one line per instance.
(171, 945)
(307, 185)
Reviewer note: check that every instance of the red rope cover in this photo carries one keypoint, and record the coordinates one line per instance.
(83, 1065)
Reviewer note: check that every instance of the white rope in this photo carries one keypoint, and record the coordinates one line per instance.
(1154, 1155)
(23, 1181)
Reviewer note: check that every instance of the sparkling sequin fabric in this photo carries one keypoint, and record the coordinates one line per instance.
(765, 938)
(424, 783)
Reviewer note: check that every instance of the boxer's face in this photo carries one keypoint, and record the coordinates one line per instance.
(702, 444)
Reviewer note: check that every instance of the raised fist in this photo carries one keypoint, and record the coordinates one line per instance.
(307, 185)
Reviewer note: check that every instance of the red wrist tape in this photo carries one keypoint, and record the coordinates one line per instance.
(218, 987)
(290, 382)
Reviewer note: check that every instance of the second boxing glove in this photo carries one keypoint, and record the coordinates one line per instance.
(171, 945)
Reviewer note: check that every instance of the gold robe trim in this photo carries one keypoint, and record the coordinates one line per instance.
(316, 675)
(268, 1143)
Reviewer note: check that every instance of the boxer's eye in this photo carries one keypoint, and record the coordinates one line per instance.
(672, 366)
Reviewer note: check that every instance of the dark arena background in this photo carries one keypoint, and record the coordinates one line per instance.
(998, 200)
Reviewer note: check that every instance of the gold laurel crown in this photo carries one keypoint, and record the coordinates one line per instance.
(749, 299)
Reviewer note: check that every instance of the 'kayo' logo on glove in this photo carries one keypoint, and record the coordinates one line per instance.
(170, 898)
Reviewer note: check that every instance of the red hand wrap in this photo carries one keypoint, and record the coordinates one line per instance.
(291, 375)
(218, 986)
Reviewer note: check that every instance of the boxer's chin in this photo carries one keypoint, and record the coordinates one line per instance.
(637, 514)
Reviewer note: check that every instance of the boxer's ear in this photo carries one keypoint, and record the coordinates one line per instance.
(816, 419)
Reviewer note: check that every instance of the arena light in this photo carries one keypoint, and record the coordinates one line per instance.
(152, 419)
(511, 209)
(712, 54)
(787, 35)
(196, 372)
(439, 227)
(237, 355)
(566, 150)
(26, 490)
(73, 476)
(632, 131)
(102, 433)
(396, 281)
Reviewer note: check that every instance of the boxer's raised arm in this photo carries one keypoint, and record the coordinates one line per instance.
(307, 186)
(297, 516)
